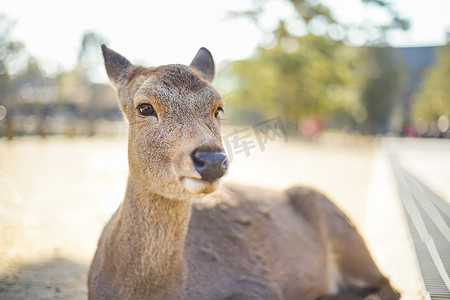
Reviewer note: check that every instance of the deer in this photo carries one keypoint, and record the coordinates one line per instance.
(182, 233)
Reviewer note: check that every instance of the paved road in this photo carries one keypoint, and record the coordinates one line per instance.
(422, 172)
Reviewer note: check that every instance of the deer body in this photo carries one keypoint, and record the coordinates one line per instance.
(252, 241)
(177, 235)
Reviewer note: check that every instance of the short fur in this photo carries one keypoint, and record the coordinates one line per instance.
(238, 243)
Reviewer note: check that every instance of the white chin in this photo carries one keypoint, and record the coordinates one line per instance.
(197, 186)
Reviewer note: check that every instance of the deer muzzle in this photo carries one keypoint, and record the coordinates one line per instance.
(210, 165)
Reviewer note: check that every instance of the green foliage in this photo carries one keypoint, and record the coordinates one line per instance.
(314, 79)
(433, 98)
(320, 76)
(298, 77)
(308, 10)
(382, 74)
(317, 76)
(314, 10)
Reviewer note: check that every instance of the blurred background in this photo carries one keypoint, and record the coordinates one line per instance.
(366, 66)
(360, 88)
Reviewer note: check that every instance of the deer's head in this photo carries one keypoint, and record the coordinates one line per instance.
(174, 141)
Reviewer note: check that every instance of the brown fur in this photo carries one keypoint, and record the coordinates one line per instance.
(165, 242)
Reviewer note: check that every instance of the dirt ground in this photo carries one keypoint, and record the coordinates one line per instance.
(56, 194)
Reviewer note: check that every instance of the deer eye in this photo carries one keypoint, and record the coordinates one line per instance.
(218, 113)
(146, 109)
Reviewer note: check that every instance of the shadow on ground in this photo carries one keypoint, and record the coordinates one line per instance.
(55, 278)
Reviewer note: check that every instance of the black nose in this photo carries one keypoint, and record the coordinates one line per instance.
(210, 165)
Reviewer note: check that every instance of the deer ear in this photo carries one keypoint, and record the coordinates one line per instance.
(117, 66)
(203, 63)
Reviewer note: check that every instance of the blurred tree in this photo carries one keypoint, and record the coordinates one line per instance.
(70, 102)
(72, 83)
(298, 77)
(313, 12)
(89, 64)
(382, 71)
(78, 87)
(89, 56)
(433, 98)
(11, 55)
(37, 91)
(69, 87)
(318, 74)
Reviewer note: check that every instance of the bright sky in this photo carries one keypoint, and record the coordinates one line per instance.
(171, 31)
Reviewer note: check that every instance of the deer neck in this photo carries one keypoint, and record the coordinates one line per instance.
(155, 228)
